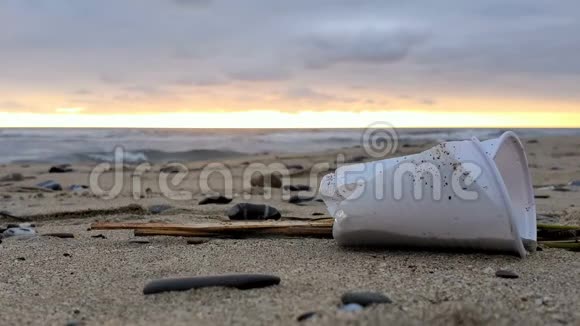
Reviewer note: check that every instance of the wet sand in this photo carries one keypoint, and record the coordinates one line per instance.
(95, 281)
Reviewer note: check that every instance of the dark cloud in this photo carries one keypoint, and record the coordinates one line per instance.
(365, 44)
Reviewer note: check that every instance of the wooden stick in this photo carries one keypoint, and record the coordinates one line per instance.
(568, 245)
(318, 229)
(557, 227)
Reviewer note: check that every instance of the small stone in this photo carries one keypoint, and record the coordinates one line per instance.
(52, 185)
(196, 241)
(295, 167)
(299, 199)
(239, 281)
(18, 231)
(307, 315)
(247, 211)
(158, 209)
(66, 254)
(173, 168)
(59, 235)
(215, 199)
(357, 159)
(78, 187)
(273, 180)
(99, 236)
(13, 177)
(63, 168)
(503, 273)
(21, 258)
(364, 298)
(75, 323)
(542, 196)
(351, 307)
(296, 187)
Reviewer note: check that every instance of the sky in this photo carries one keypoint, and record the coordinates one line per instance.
(300, 63)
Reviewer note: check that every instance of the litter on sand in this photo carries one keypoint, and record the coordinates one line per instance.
(461, 194)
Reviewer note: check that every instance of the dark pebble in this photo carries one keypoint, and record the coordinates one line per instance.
(52, 185)
(296, 187)
(218, 199)
(21, 258)
(247, 211)
(63, 168)
(542, 196)
(158, 209)
(196, 241)
(239, 281)
(99, 236)
(59, 235)
(299, 199)
(66, 254)
(364, 298)
(75, 323)
(261, 180)
(172, 169)
(307, 315)
(506, 274)
(357, 159)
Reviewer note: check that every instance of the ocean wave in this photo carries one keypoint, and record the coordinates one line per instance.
(156, 156)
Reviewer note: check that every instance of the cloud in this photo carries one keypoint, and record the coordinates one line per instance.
(200, 81)
(111, 78)
(259, 73)
(360, 43)
(427, 101)
(305, 93)
(83, 91)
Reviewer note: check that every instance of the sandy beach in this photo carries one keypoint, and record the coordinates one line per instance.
(99, 280)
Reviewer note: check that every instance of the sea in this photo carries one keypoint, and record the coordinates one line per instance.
(49, 145)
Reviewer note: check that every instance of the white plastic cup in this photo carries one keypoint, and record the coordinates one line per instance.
(460, 194)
